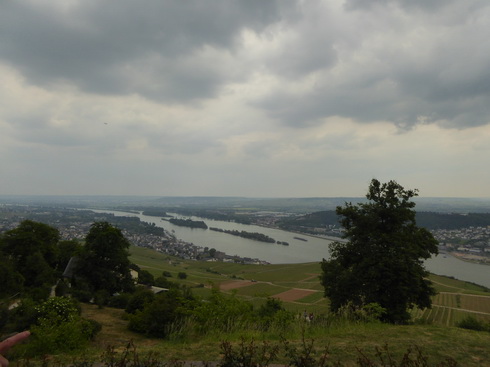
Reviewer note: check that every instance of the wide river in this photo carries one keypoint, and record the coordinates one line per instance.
(314, 249)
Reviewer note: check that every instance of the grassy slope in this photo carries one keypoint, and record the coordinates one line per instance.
(468, 347)
(439, 339)
(456, 298)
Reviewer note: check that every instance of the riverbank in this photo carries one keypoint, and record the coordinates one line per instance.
(471, 258)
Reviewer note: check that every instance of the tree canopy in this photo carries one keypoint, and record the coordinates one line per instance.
(382, 261)
(104, 263)
(28, 258)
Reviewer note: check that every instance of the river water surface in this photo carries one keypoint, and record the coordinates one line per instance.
(314, 249)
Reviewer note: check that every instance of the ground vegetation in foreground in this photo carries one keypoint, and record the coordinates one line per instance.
(348, 336)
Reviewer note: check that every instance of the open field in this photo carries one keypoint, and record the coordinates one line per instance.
(298, 286)
(293, 295)
(245, 280)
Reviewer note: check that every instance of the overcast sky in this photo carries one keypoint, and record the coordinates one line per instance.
(256, 98)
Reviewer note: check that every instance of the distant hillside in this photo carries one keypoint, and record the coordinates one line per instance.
(432, 220)
(429, 220)
(295, 205)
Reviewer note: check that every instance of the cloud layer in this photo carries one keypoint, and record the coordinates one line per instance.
(241, 97)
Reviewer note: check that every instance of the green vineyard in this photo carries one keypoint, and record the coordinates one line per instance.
(450, 308)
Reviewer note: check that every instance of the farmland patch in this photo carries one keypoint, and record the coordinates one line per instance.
(293, 294)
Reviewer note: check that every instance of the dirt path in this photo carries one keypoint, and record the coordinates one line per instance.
(233, 284)
(293, 294)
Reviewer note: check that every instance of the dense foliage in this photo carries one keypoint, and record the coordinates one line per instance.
(157, 314)
(227, 215)
(382, 260)
(431, 220)
(29, 259)
(104, 264)
(249, 235)
(189, 223)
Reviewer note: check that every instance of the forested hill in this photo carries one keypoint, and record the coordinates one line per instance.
(429, 220)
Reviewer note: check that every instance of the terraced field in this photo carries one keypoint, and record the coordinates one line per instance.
(450, 308)
(298, 286)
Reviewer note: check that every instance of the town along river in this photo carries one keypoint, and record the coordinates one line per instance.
(314, 249)
(298, 251)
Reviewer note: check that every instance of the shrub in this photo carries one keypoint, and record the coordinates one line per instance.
(145, 277)
(49, 338)
(272, 313)
(222, 313)
(157, 316)
(59, 328)
(83, 295)
(39, 294)
(58, 310)
(139, 300)
(163, 282)
(247, 354)
(22, 316)
(370, 312)
(472, 323)
(119, 301)
(101, 297)
(62, 288)
(90, 328)
(306, 356)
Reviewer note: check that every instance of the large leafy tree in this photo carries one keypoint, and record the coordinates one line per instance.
(11, 281)
(32, 250)
(104, 263)
(382, 260)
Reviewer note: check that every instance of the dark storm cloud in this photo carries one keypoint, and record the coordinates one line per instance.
(309, 42)
(398, 61)
(98, 45)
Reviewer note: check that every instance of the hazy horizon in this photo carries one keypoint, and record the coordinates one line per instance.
(304, 205)
(238, 196)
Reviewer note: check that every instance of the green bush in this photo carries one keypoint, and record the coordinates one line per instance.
(39, 294)
(157, 316)
(163, 282)
(119, 301)
(83, 295)
(101, 297)
(272, 313)
(59, 328)
(223, 313)
(472, 323)
(139, 300)
(22, 316)
(49, 338)
(365, 313)
(247, 354)
(145, 277)
(62, 289)
(90, 328)
(58, 310)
